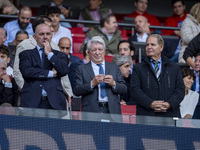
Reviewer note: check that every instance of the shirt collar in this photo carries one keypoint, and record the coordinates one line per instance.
(159, 60)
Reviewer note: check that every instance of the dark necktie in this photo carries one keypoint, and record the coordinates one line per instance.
(156, 68)
(42, 56)
(102, 85)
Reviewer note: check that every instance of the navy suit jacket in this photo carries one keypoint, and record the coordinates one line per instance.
(82, 86)
(35, 76)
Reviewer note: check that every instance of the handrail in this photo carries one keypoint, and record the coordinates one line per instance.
(96, 22)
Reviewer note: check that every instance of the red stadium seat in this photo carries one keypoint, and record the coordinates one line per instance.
(128, 113)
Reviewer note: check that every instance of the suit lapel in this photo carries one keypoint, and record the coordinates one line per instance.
(90, 70)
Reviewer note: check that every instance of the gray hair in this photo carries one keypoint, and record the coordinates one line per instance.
(3, 61)
(3, 32)
(160, 40)
(120, 60)
(95, 40)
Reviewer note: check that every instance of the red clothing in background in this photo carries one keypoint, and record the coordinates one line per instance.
(152, 20)
(174, 21)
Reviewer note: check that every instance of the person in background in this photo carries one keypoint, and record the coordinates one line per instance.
(190, 100)
(108, 30)
(22, 23)
(124, 64)
(93, 12)
(59, 30)
(3, 35)
(20, 36)
(7, 8)
(179, 14)
(189, 29)
(8, 87)
(141, 7)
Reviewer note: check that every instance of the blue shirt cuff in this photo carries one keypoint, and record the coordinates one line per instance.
(50, 74)
(8, 85)
(50, 55)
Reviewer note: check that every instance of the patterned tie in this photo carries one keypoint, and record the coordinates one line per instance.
(156, 69)
(102, 84)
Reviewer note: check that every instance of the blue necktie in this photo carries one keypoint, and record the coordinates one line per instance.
(42, 56)
(102, 85)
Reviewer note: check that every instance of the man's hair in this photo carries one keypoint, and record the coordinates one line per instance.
(95, 40)
(174, 1)
(195, 11)
(138, 0)
(187, 72)
(5, 50)
(39, 20)
(159, 38)
(84, 49)
(120, 60)
(131, 46)
(53, 10)
(4, 33)
(106, 19)
(3, 61)
(198, 54)
(21, 32)
(25, 8)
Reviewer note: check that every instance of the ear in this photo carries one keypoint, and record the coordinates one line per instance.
(14, 42)
(132, 53)
(162, 46)
(34, 36)
(8, 60)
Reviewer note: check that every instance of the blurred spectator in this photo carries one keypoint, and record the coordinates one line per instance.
(109, 32)
(141, 7)
(126, 48)
(190, 28)
(124, 64)
(3, 35)
(20, 36)
(190, 100)
(7, 8)
(93, 12)
(142, 30)
(156, 83)
(191, 51)
(5, 55)
(31, 44)
(8, 88)
(22, 23)
(65, 11)
(16, 3)
(177, 18)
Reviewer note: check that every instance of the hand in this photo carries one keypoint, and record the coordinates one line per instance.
(188, 116)
(6, 78)
(122, 102)
(65, 11)
(156, 105)
(165, 106)
(47, 47)
(176, 32)
(97, 80)
(146, 29)
(54, 72)
(109, 80)
(69, 100)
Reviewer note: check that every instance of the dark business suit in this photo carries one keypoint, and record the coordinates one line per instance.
(82, 86)
(36, 76)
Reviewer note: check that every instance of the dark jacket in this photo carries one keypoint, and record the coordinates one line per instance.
(145, 87)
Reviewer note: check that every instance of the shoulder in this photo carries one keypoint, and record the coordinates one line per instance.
(14, 22)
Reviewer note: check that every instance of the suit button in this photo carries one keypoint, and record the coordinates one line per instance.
(40, 85)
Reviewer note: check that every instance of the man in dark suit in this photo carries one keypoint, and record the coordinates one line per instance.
(98, 82)
(42, 69)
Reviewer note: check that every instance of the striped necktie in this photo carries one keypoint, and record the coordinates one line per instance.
(156, 68)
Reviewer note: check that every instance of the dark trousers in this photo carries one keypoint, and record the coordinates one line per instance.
(44, 103)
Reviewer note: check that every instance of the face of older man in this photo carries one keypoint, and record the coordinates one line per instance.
(141, 24)
(65, 45)
(153, 49)
(97, 53)
(42, 34)
(24, 18)
(125, 70)
(2, 36)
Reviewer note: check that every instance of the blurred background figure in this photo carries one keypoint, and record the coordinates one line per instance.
(188, 105)
(7, 8)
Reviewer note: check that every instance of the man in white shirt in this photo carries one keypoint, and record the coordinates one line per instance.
(59, 31)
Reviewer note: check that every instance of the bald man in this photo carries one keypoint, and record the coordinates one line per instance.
(65, 46)
(142, 28)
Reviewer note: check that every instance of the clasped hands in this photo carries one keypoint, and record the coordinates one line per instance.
(103, 78)
(160, 106)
